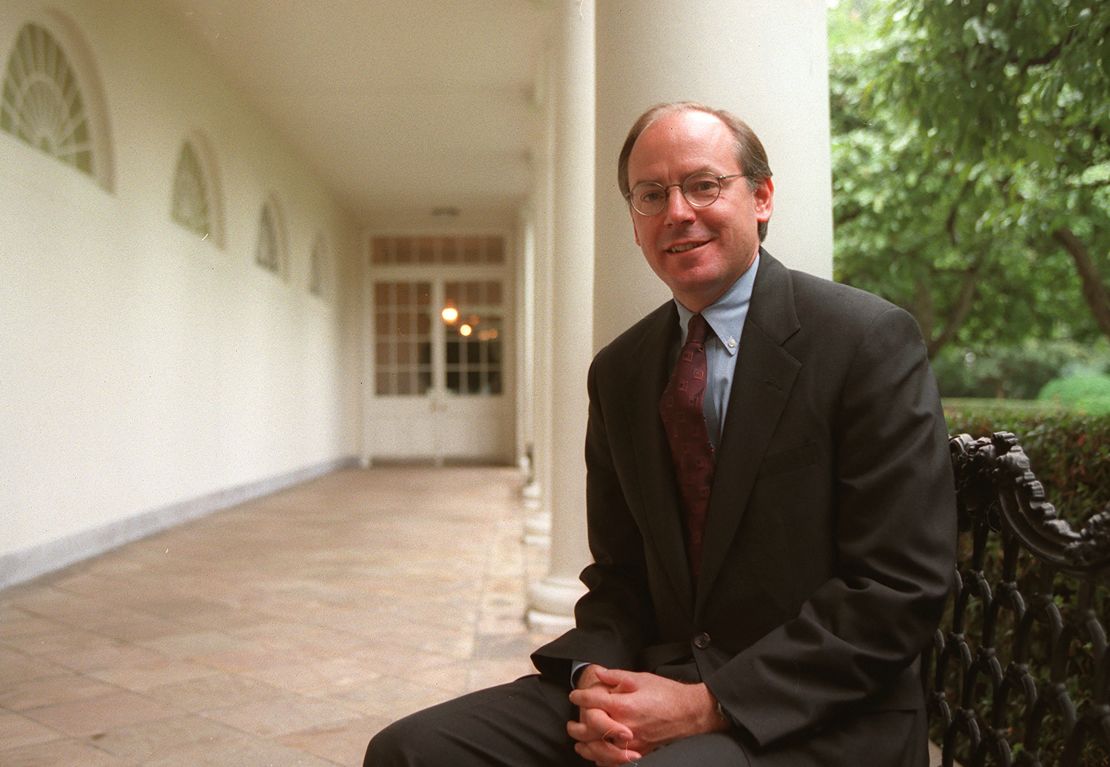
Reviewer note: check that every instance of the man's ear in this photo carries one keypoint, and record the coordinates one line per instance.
(764, 196)
(635, 234)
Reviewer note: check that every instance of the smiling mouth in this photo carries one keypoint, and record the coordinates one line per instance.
(683, 247)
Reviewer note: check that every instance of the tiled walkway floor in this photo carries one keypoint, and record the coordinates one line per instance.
(282, 632)
(285, 631)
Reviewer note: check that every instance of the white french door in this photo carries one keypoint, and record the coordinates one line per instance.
(439, 364)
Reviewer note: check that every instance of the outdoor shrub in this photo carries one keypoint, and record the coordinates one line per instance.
(1018, 372)
(1089, 393)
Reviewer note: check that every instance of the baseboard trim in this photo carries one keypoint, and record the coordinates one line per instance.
(21, 566)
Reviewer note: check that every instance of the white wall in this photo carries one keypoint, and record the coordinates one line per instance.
(143, 368)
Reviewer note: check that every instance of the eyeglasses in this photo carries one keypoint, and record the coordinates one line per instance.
(648, 198)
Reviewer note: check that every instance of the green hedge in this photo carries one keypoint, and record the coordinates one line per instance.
(1069, 451)
(1016, 372)
(1090, 393)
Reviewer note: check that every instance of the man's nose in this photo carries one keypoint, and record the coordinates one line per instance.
(677, 207)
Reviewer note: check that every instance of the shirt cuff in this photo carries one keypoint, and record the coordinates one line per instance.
(575, 669)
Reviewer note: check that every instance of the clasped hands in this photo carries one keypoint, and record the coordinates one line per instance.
(625, 715)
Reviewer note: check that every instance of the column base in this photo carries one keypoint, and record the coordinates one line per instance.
(552, 625)
(551, 604)
(532, 495)
(537, 529)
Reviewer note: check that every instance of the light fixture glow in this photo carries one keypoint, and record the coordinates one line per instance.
(450, 315)
(465, 330)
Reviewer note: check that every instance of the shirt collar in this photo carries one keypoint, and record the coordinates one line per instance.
(725, 316)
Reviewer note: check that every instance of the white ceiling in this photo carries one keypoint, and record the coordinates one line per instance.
(397, 104)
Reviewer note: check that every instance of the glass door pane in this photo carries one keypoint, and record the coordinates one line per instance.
(474, 337)
(402, 338)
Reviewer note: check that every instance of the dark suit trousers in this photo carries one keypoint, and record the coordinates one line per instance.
(523, 724)
(520, 724)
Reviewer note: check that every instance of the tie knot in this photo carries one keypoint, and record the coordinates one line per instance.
(697, 329)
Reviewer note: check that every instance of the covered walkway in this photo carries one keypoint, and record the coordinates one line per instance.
(285, 631)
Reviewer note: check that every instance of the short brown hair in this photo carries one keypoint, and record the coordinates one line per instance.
(750, 154)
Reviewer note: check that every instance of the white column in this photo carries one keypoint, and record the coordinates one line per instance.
(525, 356)
(551, 601)
(537, 499)
(764, 60)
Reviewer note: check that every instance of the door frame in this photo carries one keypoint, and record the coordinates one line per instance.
(505, 272)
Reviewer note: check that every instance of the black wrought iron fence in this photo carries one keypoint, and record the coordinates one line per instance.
(1019, 672)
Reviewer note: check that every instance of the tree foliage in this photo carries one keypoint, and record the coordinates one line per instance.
(971, 164)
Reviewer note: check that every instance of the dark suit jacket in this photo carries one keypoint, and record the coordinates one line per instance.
(831, 529)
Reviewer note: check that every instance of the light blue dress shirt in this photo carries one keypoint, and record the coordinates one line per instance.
(725, 317)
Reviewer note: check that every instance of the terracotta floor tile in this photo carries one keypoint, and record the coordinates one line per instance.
(280, 716)
(114, 653)
(247, 751)
(142, 742)
(212, 692)
(388, 657)
(319, 678)
(136, 627)
(17, 731)
(75, 610)
(90, 716)
(19, 623)
(201, 612)
(59, 641)
(303, 636)
(342, 742)
(286, 631)
(487, 673)
(16, 667)
(44, 691)
(502, 646)
(142, 676)
(59, 753)
(80, 581)
(196, 644)
(394, 696)
(449, 679)
(250, 658)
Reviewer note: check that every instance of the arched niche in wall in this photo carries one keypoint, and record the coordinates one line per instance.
(320, 268)
(197, 198)
(271, 250)
(52, 98)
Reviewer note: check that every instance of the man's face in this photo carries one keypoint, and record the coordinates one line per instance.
(697, 252)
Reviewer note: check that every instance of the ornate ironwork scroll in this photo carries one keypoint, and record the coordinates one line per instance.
(1019, 673)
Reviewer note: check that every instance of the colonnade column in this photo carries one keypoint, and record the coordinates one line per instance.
(537, 499)
(551, 601)
(765, 61)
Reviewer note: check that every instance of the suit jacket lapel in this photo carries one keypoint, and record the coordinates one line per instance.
(765, 374)
(648, 375)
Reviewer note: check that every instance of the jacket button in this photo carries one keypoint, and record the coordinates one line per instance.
(701, 641)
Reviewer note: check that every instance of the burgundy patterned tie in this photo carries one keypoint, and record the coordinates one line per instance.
(691, 450)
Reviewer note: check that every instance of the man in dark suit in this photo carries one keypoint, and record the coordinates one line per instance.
(770, 508)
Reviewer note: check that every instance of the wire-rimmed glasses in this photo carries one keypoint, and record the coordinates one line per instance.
(648, 198)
